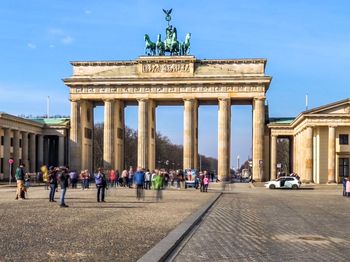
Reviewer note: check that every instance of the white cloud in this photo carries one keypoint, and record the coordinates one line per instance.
(67, 40)
(58, 34)
(31, 45)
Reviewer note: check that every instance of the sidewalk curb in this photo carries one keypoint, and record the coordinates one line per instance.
(164, 248)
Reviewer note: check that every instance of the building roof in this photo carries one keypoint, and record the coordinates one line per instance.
(281, 120)
(52, 121)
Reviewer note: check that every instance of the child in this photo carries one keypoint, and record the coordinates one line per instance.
(206, 183)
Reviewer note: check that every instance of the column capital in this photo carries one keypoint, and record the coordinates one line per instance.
(73, 99)
(108, 100)
(224, 99)
(188, 99)
(142, 99)
(332, 126)
(259, 98)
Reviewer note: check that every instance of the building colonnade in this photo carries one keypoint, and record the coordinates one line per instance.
(113, 145)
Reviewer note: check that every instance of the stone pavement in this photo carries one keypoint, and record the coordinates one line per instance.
(122, 229)
(273, 225)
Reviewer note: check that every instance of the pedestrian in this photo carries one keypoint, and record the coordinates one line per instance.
(112, 178)
(124, 178)
(20, 182)
(345, 180)
(130, 177)
(348, 187)
(82, 179)
(201, 181)
(64, 177)
(26, 184)
(53, 183)
(153, 177)
(147, 180)
(73, 176)
(87, 179)
(139, 180)
(117, 177)
(158, 184)
(206, 183)
(101, 182)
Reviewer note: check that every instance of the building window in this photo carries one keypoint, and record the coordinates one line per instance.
(1, 165)
(2, 140)
(344, 139)
(20, 143)
(343, 167)
(11, 141)
(88, 133)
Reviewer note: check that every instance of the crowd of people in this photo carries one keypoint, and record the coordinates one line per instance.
(141, 179)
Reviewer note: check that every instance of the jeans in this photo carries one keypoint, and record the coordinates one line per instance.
(100, 193)
(139, 191)
(52, 192)
(63, 193)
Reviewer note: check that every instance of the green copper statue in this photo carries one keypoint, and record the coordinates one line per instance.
(170, 45)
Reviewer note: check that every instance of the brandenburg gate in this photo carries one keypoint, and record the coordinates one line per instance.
(157, 79)
(150, 81)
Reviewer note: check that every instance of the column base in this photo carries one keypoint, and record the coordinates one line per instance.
(331, 182)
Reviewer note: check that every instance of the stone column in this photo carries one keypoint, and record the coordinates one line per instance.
(273, 157)
(32, 148)
(151, 135)
(195, 135)
(331, 154)
(75, 138)
(40, 150)
(224, 134)
(7, 151)
(108, 134)
(61, 150)
(308, 155)
(119, 127)
(188, 134)
(25, 150)
(86, 126)
(258, 137)
(15, 148)
(142, 134)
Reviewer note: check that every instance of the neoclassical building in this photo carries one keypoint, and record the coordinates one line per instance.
(32, 142)
(319, 143)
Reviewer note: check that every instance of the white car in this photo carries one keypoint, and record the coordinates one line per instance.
(284, 182)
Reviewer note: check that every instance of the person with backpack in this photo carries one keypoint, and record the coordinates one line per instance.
(20, 182)
(101, 182)
(64, 176)
(139, 180)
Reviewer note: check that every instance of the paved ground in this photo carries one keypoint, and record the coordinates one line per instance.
(123, 229)
(273, 225)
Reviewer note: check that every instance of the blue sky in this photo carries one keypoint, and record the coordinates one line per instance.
(306, 43)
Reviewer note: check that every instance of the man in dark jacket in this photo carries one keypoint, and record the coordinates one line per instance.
(20, 181)
(64, 176)
(53, 183)
(139, 180)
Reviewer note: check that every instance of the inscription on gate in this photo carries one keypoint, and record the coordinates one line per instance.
(166, 68)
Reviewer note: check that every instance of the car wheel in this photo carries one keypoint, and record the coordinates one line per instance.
(272, 186)
(294, 187)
